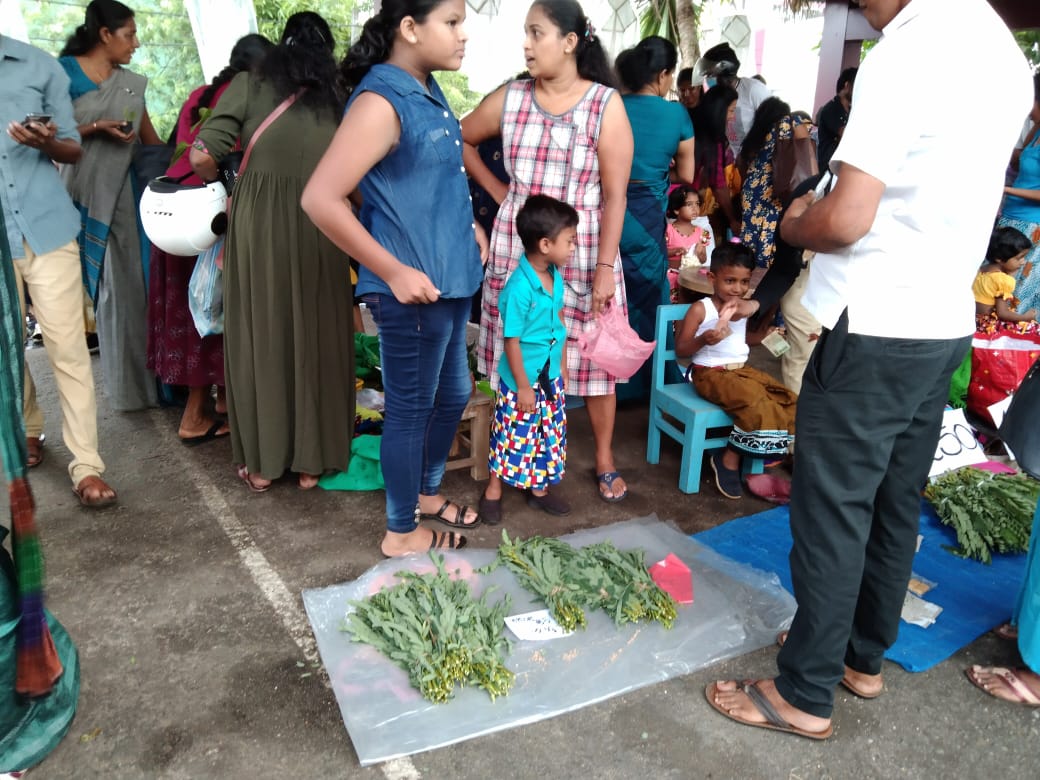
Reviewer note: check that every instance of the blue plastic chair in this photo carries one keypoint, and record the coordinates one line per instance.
(677, 410)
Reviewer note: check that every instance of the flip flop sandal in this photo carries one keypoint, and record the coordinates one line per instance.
(34, 446)
(442, 540)
(607, 478)
(245, 476)
(774, 721)
(1006, 631)
(210, 435)
(459, 521)
(94, 503)
(1010, 678)
(846, 681)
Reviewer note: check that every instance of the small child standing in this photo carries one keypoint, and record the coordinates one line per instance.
(714, 334)
(529, 432)
(994, 285)
(688, 228)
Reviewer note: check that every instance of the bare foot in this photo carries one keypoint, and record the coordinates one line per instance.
(308, 481)
(420, 540)
(1019, 686)
(734, 701)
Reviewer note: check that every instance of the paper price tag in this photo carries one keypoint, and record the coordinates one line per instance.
(536, 626)
(957, 446)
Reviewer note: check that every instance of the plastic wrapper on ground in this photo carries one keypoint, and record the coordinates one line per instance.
(736, 610)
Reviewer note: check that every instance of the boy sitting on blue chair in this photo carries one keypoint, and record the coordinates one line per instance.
(713, 335)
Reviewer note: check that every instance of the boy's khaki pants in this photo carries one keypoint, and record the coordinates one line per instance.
(56, 287)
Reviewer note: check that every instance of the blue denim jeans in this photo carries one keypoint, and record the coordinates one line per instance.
(426, 381)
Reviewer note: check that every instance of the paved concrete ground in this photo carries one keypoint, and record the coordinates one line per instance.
(185, 603)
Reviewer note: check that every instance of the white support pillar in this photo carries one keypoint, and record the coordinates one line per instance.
(12, 23)
(217, 26)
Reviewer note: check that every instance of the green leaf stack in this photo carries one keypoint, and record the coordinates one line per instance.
(990, 512)
(431, 626)
(569, 580)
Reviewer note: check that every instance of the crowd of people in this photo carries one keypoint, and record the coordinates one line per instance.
(601, 184)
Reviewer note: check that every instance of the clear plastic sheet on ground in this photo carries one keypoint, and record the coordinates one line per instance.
(736, 610)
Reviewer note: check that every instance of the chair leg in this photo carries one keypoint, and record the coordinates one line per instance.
(692, 457)
(653, 439)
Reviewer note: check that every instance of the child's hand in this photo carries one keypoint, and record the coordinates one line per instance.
(525, 399)
(717, 334)
(1030, 315)
(412, 286)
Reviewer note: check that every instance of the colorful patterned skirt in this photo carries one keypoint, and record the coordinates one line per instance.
(529, 449)
(762, 409)
(991, 325)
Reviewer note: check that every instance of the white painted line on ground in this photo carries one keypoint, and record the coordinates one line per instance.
(266, 578)
(271, 585)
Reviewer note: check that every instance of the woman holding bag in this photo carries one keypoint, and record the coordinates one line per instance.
(565, 134)
(288, 321)
(176, 352)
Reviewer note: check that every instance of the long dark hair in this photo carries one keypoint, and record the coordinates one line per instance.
(377, 38)
(100, 14)
(709, 126)
(303, 59)
(569, 17)
(638, 66)
(248, 51)
(771, 111)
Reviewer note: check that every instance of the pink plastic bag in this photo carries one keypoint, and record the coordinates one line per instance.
(611, 345)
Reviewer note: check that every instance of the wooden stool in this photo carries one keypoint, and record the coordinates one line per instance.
(472, 441)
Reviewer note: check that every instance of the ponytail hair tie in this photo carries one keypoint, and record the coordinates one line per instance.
(590, 31)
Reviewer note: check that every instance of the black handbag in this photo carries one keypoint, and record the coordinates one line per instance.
(1020, 429)
(228, 168)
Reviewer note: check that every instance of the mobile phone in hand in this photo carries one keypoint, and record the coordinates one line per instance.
(43, 119)
(126, 127)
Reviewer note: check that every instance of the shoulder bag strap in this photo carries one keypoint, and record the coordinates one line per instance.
(281, 109)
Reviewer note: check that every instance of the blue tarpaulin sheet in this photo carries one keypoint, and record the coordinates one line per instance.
(974, 597)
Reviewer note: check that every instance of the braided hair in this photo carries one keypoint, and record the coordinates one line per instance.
(246, 54)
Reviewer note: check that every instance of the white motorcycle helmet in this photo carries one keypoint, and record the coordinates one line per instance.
(183, 219)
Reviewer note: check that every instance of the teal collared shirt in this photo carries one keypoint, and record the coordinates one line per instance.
(530, 313)
(37, 208)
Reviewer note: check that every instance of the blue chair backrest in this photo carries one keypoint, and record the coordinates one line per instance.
(664, 353)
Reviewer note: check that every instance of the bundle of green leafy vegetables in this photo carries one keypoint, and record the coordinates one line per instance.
(990, 512)
(598, 576)
(431, 626)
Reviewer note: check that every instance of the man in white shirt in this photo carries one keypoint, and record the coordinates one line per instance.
(891, 284)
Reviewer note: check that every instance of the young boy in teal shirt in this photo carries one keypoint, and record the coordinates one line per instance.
(529, 433)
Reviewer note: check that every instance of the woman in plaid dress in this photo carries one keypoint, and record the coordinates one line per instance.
(564, 134)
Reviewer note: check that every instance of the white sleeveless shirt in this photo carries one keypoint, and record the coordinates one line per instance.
(732, 349)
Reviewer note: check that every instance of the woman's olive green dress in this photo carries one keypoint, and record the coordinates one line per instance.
(288, 317)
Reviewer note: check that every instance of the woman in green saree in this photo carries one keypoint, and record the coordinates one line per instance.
(108, 99)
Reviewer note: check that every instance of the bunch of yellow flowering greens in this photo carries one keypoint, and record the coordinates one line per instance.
(431, 626)
(598, 576)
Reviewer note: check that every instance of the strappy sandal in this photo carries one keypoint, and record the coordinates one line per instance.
(458, 521)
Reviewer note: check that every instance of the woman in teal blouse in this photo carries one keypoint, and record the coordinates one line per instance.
(664, 153)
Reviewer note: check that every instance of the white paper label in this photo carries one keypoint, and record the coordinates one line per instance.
(536, 626)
